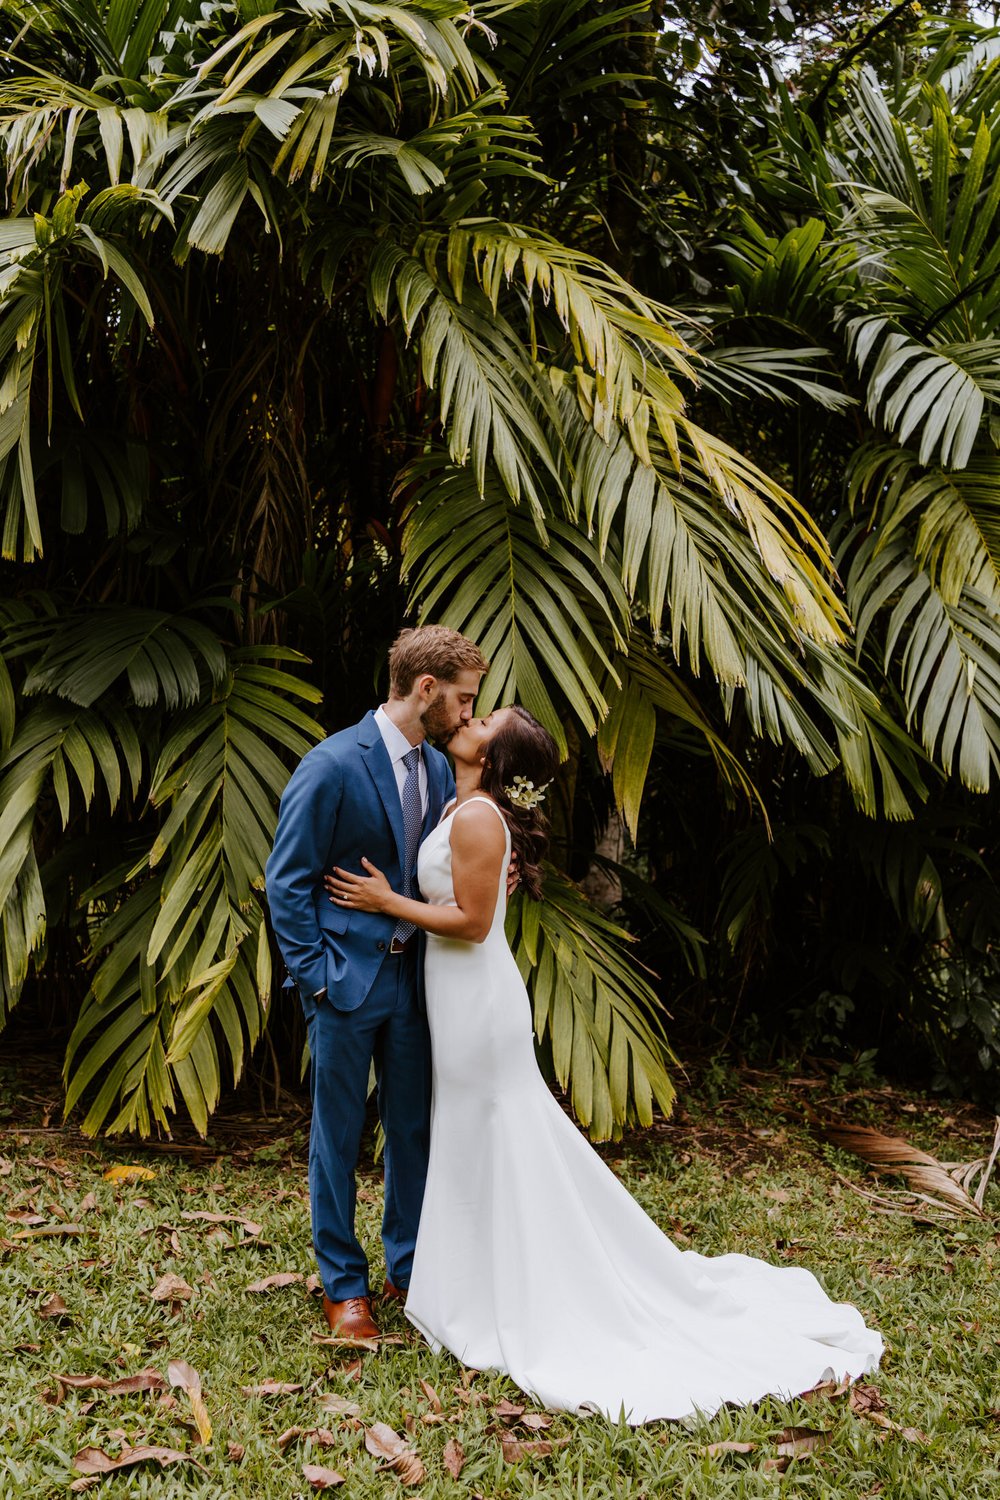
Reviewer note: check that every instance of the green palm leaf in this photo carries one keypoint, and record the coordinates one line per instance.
(182, 964)
(594, 1013)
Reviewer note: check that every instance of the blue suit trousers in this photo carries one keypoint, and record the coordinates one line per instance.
(389, 1026)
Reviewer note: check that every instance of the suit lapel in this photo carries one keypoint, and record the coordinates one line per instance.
(376, 758)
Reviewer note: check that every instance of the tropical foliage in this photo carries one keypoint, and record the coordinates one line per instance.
(869, 229)
(321, 316)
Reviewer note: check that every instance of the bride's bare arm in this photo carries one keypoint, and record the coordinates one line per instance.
(477, 855)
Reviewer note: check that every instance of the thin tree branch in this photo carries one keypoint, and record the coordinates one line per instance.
(815, 110)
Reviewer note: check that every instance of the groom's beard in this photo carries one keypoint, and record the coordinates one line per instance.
(438, 723)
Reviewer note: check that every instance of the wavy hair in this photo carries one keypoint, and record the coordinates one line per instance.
(522, 747)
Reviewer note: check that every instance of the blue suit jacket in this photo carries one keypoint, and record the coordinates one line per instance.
(342, 802)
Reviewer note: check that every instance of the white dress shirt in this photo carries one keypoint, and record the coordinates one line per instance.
(398, 745)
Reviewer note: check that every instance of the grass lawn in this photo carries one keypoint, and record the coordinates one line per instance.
(735, 1170)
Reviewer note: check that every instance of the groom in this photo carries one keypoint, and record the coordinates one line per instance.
(373, 791)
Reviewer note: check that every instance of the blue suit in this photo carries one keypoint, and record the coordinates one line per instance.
(342, 803)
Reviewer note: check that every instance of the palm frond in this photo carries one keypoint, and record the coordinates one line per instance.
(182, 970)
(483, 566)
(594, 1013)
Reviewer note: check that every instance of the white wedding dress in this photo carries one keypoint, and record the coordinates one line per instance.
(532, 1258)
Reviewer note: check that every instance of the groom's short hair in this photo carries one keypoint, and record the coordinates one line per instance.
(432, 649)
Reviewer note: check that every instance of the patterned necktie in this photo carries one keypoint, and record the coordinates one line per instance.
(413, 818)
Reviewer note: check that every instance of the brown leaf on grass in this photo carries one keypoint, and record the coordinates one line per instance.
(128, 1385)
(27, 1348)
(515, 1448)
(339, 1405)
(321, 1436)
(6, 1167)
(314, 1285)
(865, 1399)
(432, 1396)
(271, 1388)
(184, 1377)
(536, 1421)
(729, 1446)
(96, 1461)
(508, 1411)
(54, 1307)
(795, 1442)
(235, 1452)
(88, 1205)
(279, 1279)
(129, 1172)
(382, 1442)
(171, 1288)
(942, 1185)
(453, 1457)
(48, 1231)
(826, 1390)
(911, 1434)
(321, 1478)
(207, 1216)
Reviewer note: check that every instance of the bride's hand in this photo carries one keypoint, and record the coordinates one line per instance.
(359, 892)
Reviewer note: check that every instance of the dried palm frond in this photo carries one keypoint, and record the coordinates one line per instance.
(945, 1186)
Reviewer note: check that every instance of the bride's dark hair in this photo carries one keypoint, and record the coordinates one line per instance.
(522, 747)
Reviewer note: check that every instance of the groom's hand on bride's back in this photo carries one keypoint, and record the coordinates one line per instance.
(513, 874)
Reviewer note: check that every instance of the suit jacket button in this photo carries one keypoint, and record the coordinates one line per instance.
(380, 946)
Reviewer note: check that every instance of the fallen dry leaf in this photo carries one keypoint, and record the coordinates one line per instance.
(280, 1278)
(47, 1231)
(507, 1411)
(128, 1385)
(271, 1388)
(714, 1449)
(945, 1186)
(96, 1461)
(382, 1442)
(865, 1399)
(536, 1421)
(54, 1307)
(826, 1390)
(517, 1448)
(184, 1377)
(207, 1216)
(338, 1342)
(910, 1434)
(321, 1436)
(171, 1288)
(454, 1457)
(235, 1452)
(432, 1396)
(320, 1478)
(129, 1173)
(794, 1442)
(339, 1405)
(88, 1205)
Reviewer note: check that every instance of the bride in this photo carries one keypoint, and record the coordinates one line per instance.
(531, 1257)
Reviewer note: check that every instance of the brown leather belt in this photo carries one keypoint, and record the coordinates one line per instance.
(405, 947)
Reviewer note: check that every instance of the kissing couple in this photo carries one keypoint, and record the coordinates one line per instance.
(509, 1240)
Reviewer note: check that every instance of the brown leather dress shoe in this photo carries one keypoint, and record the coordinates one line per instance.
(388, 1290)
(351, 1319)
